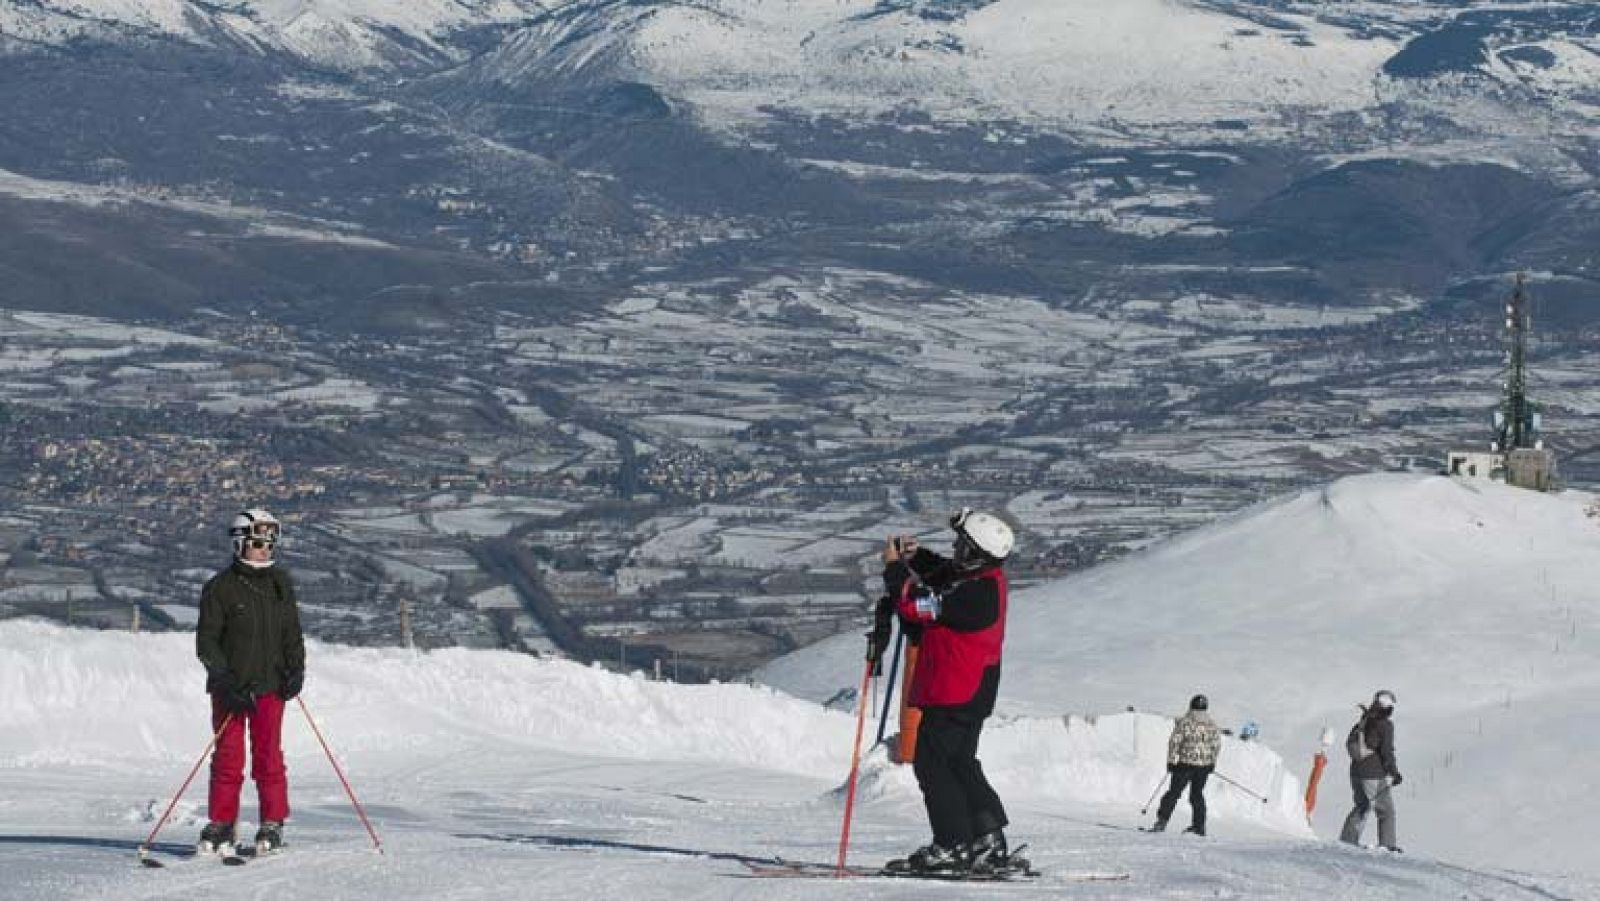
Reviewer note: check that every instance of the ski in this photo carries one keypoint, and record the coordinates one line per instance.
(232, 859)
(236, 858)
(829, 871)
(169, 853)
(243, 856)
(812, 870)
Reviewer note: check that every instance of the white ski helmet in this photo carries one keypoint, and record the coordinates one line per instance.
(254, 523)
(987, 533)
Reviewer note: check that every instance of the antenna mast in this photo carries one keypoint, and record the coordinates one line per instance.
(1515, 423)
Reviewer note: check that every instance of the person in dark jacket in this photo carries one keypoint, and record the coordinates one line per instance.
(1191, 756)
(1373, 772)
(959, 604)
(250, 642)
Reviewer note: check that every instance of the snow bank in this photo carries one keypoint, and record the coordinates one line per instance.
(1116, 761)
(70, 697)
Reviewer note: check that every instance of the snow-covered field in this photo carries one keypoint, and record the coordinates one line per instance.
(254, 220)
(495, 775)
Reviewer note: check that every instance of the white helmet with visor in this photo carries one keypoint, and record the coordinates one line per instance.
(254, 528)
(986, 532)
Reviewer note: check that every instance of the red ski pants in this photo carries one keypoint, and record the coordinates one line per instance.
(265, 725)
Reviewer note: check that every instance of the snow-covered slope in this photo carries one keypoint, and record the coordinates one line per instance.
(392, 703)
(1474, 602)
(1140, 61)
(495, 775)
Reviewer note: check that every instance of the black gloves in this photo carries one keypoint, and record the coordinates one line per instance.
(235, 698)
(1396, 779)
(290, 683)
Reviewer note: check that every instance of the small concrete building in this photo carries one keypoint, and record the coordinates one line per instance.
(1475, 465)
(1531, 467)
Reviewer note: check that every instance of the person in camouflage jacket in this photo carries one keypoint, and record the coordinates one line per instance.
(1191, 756)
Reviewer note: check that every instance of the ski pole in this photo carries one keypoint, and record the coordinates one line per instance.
(1261, 798)
(855, 768)
(144, 849)
(1154, 793)
(359, 812)
(888, 696)
(874, 708)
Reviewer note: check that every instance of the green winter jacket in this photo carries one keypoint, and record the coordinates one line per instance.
(250, 627)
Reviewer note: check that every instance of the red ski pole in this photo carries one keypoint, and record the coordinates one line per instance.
(144, 849)
(855, 768)
(359, 812)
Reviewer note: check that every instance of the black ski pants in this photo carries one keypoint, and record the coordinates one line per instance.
(1186, 775)
(961, 804)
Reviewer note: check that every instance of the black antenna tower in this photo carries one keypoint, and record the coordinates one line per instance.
(1516, 423)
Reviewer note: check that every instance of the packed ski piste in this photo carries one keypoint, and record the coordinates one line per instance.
(618, 783)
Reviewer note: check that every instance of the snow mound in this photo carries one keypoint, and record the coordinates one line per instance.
(76, 697)
(83, 699)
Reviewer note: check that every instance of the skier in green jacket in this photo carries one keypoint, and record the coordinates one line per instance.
(250, 642)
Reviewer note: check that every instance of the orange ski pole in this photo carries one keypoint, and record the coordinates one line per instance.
(357, 804)
(855, 769)
(144, 849)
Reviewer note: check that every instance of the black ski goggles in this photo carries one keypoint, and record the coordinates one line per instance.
(964, 548)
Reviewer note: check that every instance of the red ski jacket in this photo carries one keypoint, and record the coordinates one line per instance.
(952, 662)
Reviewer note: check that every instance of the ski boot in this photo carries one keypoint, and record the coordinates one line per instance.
(269, 838)
(216, 838)
(932, 859)
(1196, 829)
(1159, 825)
(989, 853)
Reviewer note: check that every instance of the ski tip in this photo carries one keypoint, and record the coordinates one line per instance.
(152, 863)
(234, 861)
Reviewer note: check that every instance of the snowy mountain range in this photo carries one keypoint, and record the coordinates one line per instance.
(1387, 146)
(491, 775)
(1139, 64)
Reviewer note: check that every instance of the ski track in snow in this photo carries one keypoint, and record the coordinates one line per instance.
(453, 830)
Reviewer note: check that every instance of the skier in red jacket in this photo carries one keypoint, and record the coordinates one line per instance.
(960, 605)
